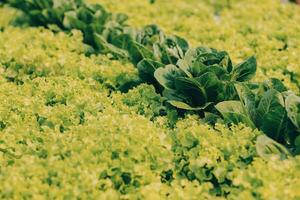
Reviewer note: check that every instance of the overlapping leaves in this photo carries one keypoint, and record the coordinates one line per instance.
(203, 77)
(270, 108)
(199, 79)
(98, 26)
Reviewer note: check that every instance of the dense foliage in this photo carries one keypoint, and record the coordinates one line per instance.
(63, 116)
(192, 78)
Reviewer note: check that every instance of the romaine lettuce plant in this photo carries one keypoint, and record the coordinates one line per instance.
(203, 77)
(150, 48)
(270, 108)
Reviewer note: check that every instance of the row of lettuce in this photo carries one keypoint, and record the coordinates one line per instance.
(199, 79)
(112, 145)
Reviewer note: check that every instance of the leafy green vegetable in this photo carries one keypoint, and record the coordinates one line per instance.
(292, 105)
(184, 106)
(233, 112)
(166, 76)
(189, 78)
(138, 52)
(245, 70)
(192, 89)
(271, 114)
(205, 77)
(151, 43)
(99, 27)
(247, 98)
(103, 46)
(146, 69)
(266, 147)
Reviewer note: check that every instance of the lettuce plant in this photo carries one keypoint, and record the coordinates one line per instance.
(203, 77)
(270, 108)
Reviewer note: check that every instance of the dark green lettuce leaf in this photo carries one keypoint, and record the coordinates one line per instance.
(245, 70)
(247, 98)
(213, 87)
(271, 115)
(146, 69)
(192, 89)
(292, 106)
(139, 52)
(233, 112)
(191, 69)
(104, 47)
(266, 148)
(174, 95)
(167, 75)
(184, 106)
